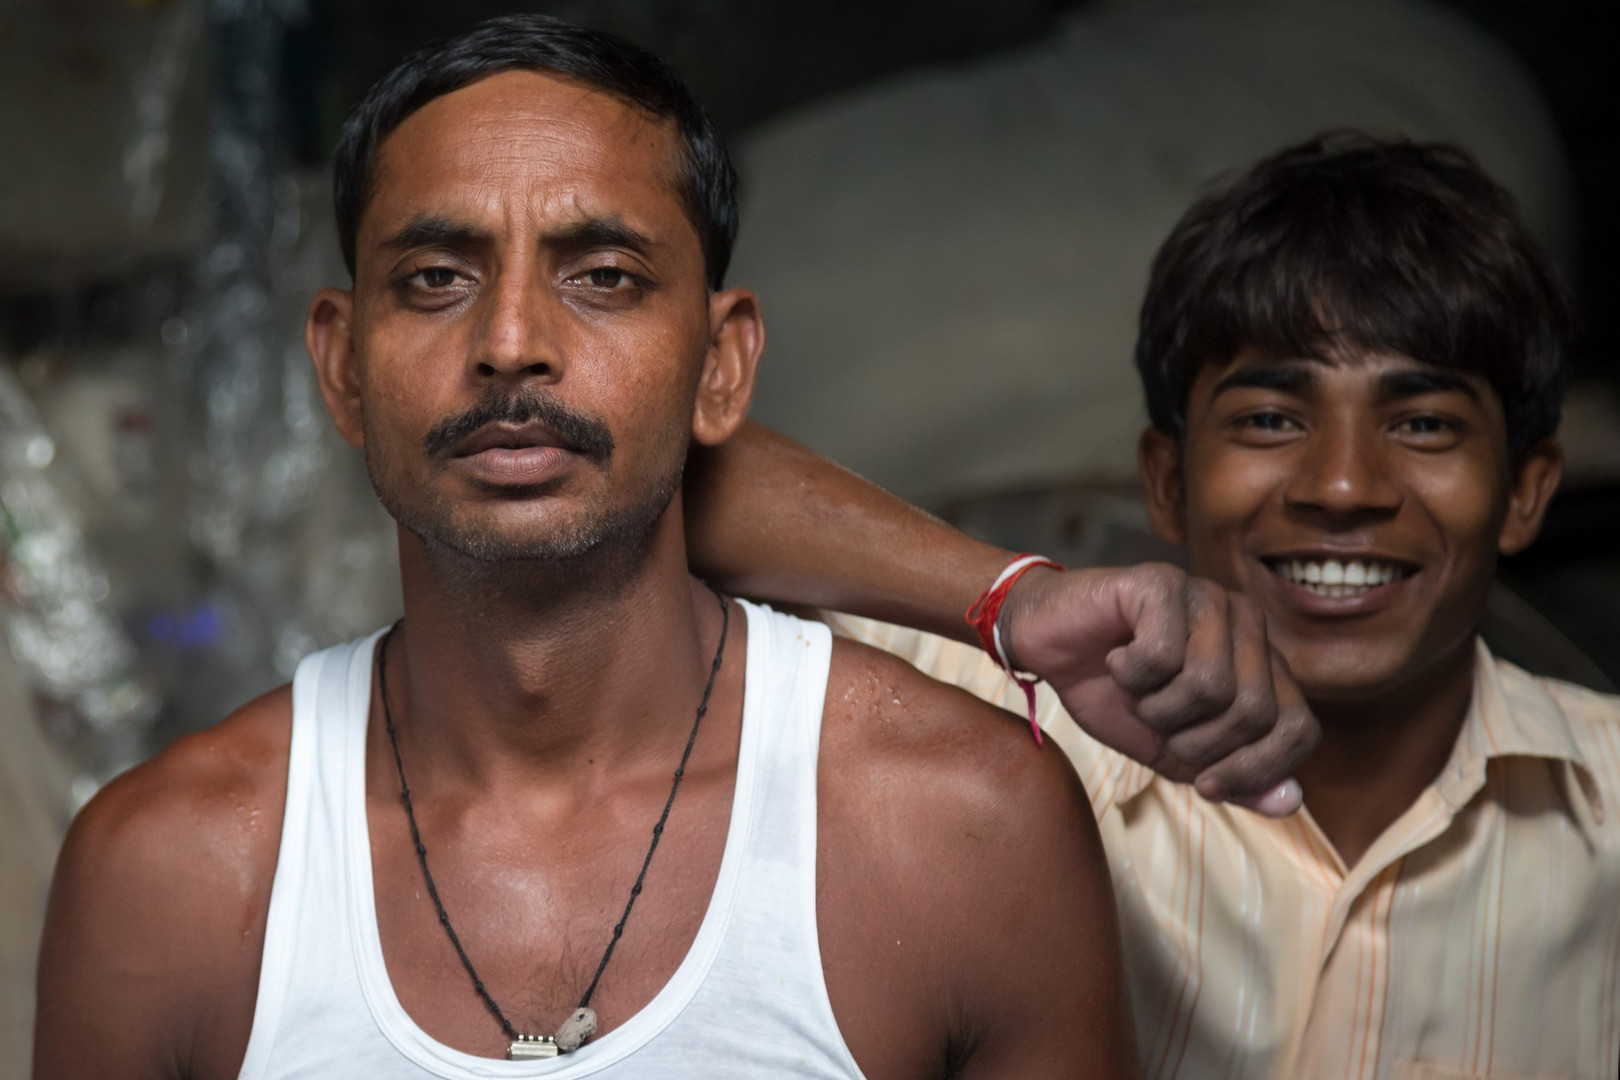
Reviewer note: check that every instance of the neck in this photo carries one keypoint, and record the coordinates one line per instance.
(1379, 753)
(534, 668)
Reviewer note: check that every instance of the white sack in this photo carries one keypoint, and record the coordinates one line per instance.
(951, 263)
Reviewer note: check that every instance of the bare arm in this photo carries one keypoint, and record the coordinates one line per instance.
(150, 960)
(968, 916)
(770, 518)
(1174, 671)
(1039, 956)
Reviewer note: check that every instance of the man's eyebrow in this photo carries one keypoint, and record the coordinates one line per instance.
(1395, 385)
(599, 232)
(1287, 378)
(426, 230)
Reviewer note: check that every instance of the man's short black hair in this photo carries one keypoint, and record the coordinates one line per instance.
(706, 180)
(1351, 244)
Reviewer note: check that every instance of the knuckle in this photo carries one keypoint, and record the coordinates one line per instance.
(1163, 714)
(1162, 573)
(1255, 708)
(1194, 751)
(1214, 689)
(1302, 728)
(1162, 580)
(1159, 658)
(1254, 769)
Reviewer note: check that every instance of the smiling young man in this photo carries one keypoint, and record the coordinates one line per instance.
(575, 804)
(1353, 361)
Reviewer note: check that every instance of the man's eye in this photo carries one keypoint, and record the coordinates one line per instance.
(1267, 421)
(435, 277)
(607, 277)
(1425, 425)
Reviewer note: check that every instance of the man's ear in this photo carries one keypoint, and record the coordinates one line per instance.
(329, 338)
(736, 340)
(1535, 479)
(1158, 459)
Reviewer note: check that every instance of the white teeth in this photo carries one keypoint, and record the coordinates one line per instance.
(1334, 578)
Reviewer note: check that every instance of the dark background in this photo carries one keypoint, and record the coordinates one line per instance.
(753, 60)
(749, 61)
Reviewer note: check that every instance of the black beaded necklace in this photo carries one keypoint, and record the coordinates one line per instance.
(581, 1025)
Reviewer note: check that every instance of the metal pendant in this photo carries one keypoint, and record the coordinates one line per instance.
(525, 1047)
(574, 1031)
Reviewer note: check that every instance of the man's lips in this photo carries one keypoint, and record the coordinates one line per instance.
(507, 455)
(530, 436)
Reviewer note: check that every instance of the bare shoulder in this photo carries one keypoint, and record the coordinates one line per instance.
(201, 802)
(940, 747)
(960, 876)
(158, 903)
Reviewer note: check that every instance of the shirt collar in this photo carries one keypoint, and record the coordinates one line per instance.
(1511, 715)
(1132, 779)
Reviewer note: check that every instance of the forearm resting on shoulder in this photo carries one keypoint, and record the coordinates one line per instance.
(770, 518)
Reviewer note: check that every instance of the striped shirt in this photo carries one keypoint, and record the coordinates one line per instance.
(1478, 938)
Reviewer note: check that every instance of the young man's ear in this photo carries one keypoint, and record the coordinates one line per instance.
(1158, 459)
(726, 386)
(329, 338)
(1534, 481)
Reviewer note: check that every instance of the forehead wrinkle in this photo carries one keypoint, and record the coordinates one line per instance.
(586, 122)
(550, 154)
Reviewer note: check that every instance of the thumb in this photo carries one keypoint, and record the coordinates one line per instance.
(1279, 802)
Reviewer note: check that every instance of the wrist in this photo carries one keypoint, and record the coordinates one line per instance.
(1026, 593)
(985, 617)
(985, 614)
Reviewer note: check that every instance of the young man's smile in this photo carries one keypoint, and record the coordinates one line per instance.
(1339, 582)
(1359, 500)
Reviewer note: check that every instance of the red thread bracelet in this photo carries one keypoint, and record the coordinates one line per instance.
(986, 611)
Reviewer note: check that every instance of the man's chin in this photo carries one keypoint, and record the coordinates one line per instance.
(517, 537)
(504, 546)
(1377, 681)
(1346, 673)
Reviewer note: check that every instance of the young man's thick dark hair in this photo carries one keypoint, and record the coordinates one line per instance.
(706, 180)
(1351, 243)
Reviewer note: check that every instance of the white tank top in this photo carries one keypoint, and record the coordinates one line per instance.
(747, 1001)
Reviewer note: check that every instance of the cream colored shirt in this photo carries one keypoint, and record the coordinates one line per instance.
(1478, 938)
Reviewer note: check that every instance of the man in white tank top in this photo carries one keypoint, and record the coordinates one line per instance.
(573, 805)
(537, 225)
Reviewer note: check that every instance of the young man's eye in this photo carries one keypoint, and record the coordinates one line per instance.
(1267, 421)
(1429, 429)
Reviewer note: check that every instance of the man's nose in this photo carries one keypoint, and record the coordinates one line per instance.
(519, 331)
(1345, 474)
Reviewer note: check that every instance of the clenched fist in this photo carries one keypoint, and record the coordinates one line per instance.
(1171, 670)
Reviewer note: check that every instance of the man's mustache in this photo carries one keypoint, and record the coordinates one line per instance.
(588, 435)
